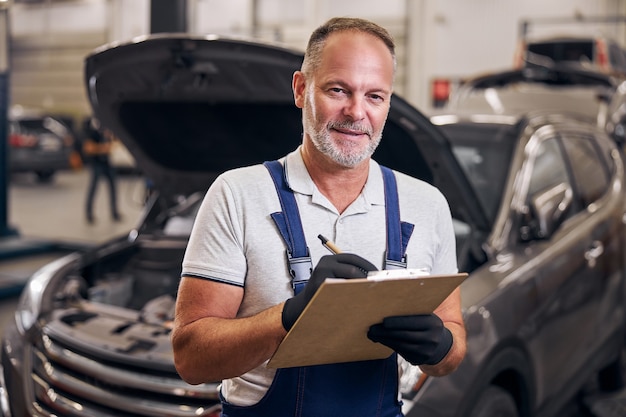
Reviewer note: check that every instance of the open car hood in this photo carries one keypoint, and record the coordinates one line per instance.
(189, 108)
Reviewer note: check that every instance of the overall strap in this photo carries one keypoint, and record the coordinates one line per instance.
(290, 228)
(398, 232)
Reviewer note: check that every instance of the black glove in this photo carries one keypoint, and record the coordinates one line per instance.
(343, 265)
(420, 339)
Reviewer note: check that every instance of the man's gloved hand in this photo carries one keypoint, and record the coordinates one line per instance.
(343, 265)
(420, 339)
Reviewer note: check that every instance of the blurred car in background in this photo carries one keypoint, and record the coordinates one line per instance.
(597, 97)
(39, 144)
(538, 227)
(598, 53)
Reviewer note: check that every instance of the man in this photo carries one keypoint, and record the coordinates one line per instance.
(236, 298)
(97, 148)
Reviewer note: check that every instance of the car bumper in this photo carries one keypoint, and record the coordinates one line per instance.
(25, 160)
(12, 397)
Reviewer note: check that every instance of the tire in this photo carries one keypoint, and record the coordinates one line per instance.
(494, 402)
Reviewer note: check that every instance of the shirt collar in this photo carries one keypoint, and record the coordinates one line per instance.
(299, 180)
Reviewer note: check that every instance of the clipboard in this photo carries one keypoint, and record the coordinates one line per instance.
(333, 326)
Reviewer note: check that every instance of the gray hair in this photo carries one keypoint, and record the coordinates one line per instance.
(313, 54)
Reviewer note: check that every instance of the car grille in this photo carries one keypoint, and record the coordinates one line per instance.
(68, 383)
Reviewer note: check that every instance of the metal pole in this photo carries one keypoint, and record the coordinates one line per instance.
(5, 230)
(168, 16)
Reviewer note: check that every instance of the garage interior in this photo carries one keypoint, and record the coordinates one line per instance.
(43, 45)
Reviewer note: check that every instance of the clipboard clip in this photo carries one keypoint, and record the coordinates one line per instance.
(398, 273)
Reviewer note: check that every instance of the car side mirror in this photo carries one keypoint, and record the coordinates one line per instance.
(546, 212)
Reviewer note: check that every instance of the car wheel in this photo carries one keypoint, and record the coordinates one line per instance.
(494, 402)
(44, 176)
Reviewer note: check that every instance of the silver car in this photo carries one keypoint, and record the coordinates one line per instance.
(597, 97)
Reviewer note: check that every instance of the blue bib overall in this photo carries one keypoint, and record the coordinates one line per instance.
(359, 389)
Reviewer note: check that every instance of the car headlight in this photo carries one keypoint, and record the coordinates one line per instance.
(32, 301)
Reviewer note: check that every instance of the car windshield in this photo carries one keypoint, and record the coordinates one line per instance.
(484, 152)
(577, 51)
(43, 125)
(512, 92)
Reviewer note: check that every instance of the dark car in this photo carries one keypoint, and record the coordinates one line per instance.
(41, 144)
(544, 304)
(615, 119)
(91, 335)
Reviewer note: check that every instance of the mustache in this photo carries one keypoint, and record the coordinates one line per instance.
(350, 126)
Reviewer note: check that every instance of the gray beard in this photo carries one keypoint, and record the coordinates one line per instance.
(323, 143)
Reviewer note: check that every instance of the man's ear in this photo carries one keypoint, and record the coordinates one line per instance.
(298, 84)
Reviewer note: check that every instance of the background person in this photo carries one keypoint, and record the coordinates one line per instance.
(236, 299)
(97, 148)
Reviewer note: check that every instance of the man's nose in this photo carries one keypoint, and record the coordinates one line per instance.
(355, 108)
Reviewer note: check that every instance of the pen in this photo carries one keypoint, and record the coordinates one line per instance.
(329, 245)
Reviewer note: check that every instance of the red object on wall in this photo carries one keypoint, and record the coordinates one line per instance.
(440, 91)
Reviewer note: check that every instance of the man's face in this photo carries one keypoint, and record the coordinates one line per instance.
(346, 100)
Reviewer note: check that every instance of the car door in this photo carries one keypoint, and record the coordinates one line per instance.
(593, 172)
(569, 281)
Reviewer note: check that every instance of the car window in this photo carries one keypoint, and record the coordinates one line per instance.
(549, 196)
(580, 51)
(485, 172)
(549, 167)
(40, 125)
(55, 126)
(588, 168)
(484, 151)
(32, 125)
